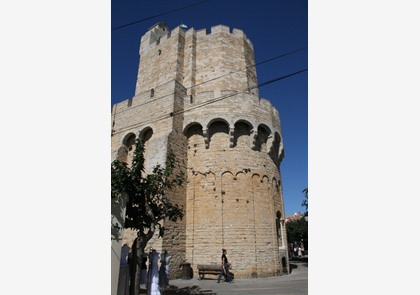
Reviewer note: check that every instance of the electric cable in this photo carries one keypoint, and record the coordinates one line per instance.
(230, 73)
(160, 14)
(166, 116)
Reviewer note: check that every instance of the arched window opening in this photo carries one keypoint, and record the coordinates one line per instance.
(149, 149)
(219, 134)
(195, 129)
(126, 151)
(261, 140)
(130, 142)
(279, 229)
(146, 135)
(242, 134)
(195, 140)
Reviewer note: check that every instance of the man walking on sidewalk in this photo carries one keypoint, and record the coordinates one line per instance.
(224, 271)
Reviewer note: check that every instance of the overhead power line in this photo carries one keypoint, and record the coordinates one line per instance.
(243, 69)
(233, 94)
(166, 116)
(251, 66)
(157, 15)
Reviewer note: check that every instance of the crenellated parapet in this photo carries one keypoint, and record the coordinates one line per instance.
(197, 59)
(159, 34)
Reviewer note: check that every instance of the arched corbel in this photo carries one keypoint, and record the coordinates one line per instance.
(270, 144)
(254, 135)
(206, 138)
(232, 137)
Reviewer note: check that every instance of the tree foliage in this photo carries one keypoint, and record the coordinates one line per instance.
(147, 197)
(297, 230)
(305, 201)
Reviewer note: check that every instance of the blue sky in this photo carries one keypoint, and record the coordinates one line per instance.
(275, 27)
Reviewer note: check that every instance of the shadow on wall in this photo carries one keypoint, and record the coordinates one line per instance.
(117, 220)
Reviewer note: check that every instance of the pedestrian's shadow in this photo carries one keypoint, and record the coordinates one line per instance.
(292, 266)
(173, 290)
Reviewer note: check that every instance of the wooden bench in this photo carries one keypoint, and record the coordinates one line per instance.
(208, 269)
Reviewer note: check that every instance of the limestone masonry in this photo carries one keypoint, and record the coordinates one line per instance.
(197, 95)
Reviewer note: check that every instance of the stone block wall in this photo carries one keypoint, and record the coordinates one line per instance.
(196, 95)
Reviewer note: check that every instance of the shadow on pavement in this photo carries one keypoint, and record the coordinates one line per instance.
(292, 266)
(172, 290)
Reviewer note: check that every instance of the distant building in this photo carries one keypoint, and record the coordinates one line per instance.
(295, 216)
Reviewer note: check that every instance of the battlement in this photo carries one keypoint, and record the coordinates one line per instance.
(266, 104)
(195, 57)
(224, 29)
(160, 33)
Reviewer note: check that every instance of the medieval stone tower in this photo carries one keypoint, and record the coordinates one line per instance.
(197, 95)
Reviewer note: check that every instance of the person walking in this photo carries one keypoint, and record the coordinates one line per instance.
(153, 280)
(143, 273)
(225, 266)
(124, 277)
(164, 269)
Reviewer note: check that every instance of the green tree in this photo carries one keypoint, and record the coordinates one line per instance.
(297, 231)
(305, 201)
(147, 200)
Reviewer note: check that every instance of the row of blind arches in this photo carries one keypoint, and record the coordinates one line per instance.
(146, 134)
(260, 139)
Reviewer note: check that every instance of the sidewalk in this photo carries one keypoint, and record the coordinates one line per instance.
(295, 283)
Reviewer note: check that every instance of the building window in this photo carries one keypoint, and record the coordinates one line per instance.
(191, 99)
(279, 227)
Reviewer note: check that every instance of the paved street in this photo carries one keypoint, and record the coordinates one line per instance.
(295, 283)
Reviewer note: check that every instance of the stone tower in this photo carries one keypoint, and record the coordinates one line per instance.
(197, 95)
